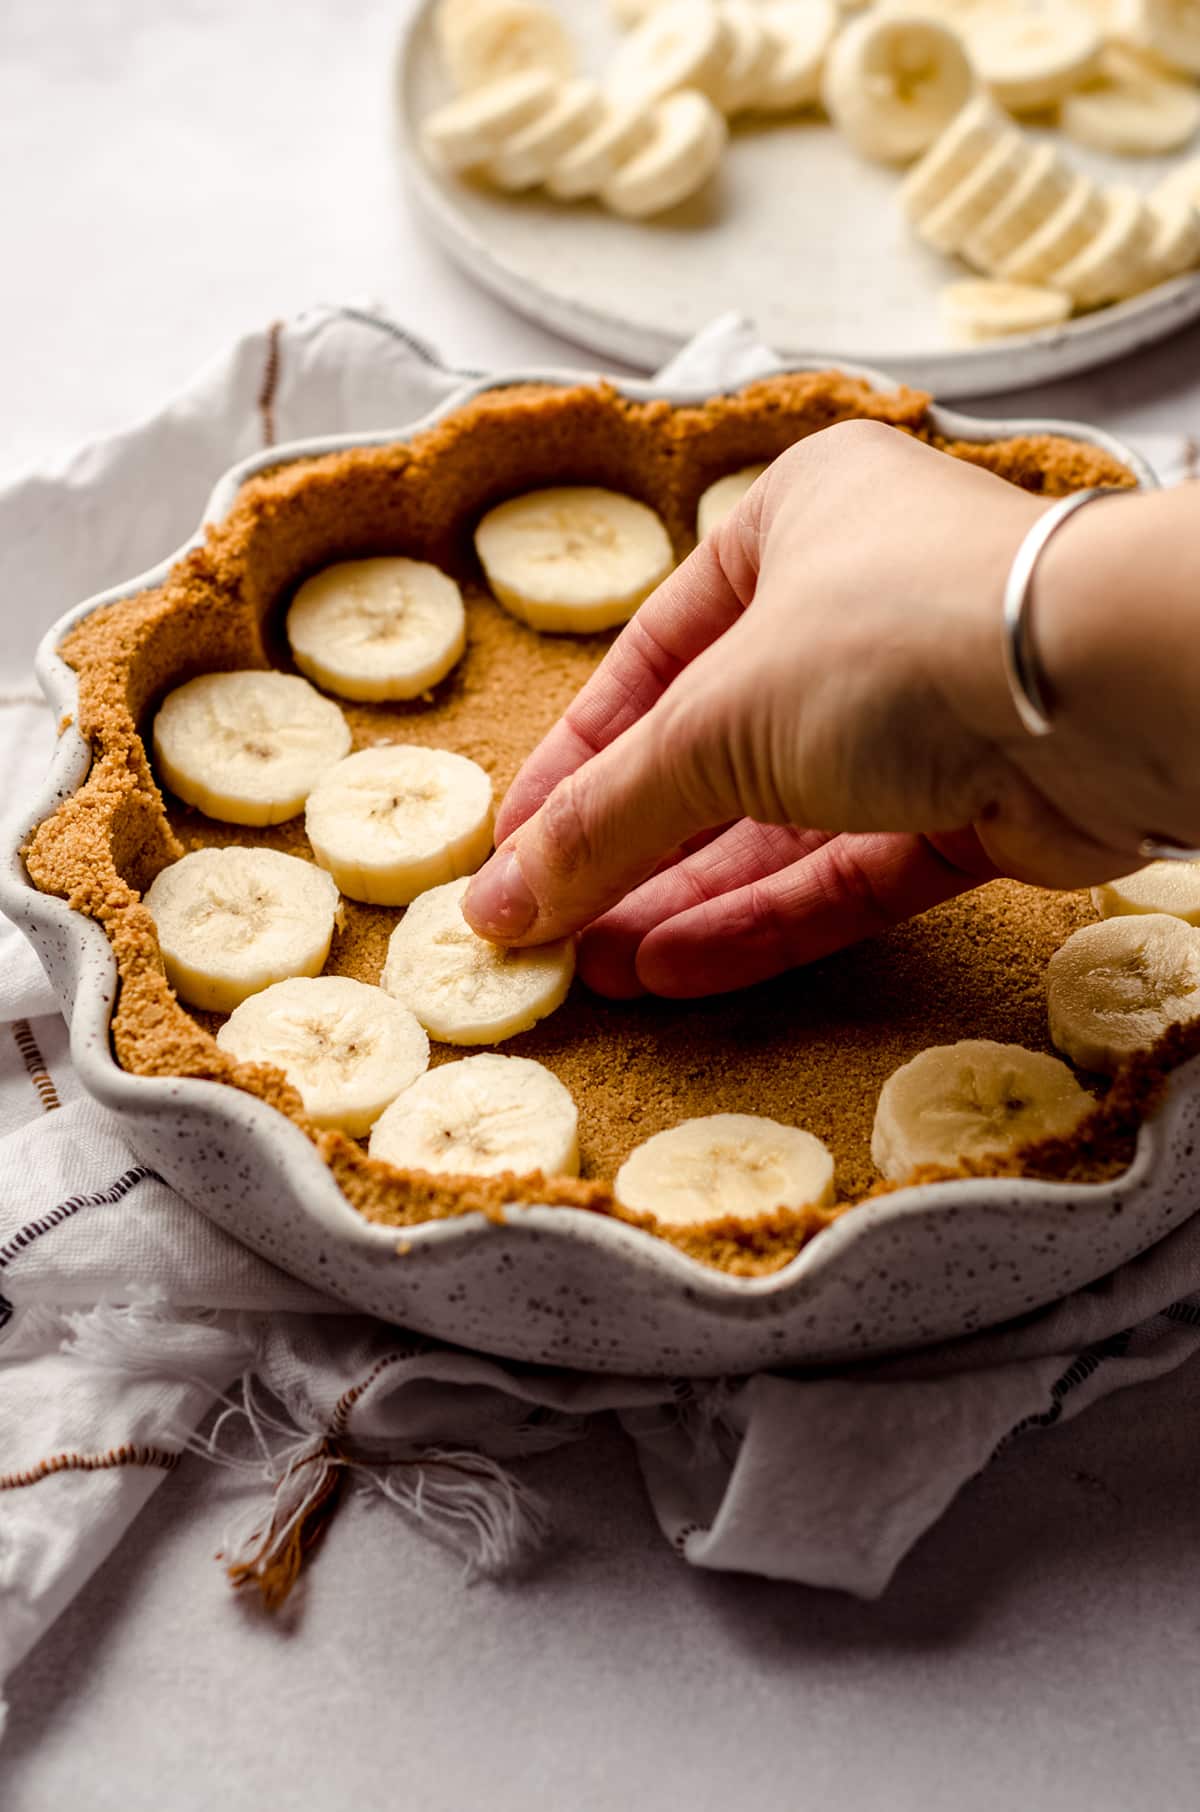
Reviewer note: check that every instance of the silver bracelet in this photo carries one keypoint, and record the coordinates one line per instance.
(1025, 680)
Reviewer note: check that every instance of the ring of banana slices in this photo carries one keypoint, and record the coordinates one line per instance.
(944, 86)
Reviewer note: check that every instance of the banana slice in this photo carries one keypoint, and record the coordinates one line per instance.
(722, 498)
(947, 226)
(628, 13)
(377, 629)
(482, 1117)
(1038, 192)
(981, 309)
(619, 134)
(247, 747)
(463, 989)
(472, 128)
(752, 51)
(1132, 110)
(1169, 28)
(1031, 56)
(528, 157)
(1176, 244)
(391, 822)
(1069, 229)
(687, 137)
(803, 31)
(952, 156)
(975, 1099)
(680, 45)
(725, 1164)
(1180, 184)
(232, 921)
(487, 40)
(346, 1048)
(1170, 887)
(892, 85)
(1114, 988)
(1116, 263)
(574, 559)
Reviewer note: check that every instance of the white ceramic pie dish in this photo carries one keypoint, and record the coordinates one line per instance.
(563, 1286)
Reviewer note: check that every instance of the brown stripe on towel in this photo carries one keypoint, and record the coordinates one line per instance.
(270, 384)
(127, 1455)
(35, 1067)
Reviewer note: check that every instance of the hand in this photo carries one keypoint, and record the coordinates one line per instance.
(831, 657)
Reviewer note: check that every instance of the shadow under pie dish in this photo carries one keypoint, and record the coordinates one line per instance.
(553, 1269)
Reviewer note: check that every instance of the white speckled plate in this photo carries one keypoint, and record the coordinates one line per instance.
(560, 1285)
(798, 232)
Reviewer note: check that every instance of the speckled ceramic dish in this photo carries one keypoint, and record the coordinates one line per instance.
(564, 1286)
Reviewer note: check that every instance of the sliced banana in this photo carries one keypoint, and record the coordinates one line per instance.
(1171, 887)
(752, 51)
(1132, 110)
(1169, 28)
(1042, 187)
(347, 1049)
(530, 155)
(377, 629)
(487, 40)
(679, 45)
(725, 1164)
(1176, 244)
(232, 921)
(391, 822)
(473, 127)
(982, 308)
(628, 13)
(687, 137)
(952, 156)
(575, 558)
(482, 1117)
(1069, 229)
(463, 989)
(1116, 263)
(892, 85)
(1180, 184)
(619, 134)
(972, 1100)
(1030, 56)
(948, 226)
(247, 747)
(803, 31)
(722, 498)
(1114, 988)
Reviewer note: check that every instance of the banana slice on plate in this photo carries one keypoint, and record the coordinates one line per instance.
(722, 498)
(1116, 263)
(1176, 244)
(393, 821)
(247, 747)
(377, 629)
(972, 1100)
(473, 127)
(628, 13)
(803, 31)
(981, 308)
(1072, 226)
(463, 989)
(484, 41)
(1180, 184)
(725, 1164)
(232, 921)
(998, 171)
(574, 559)
(752, 51)
(687, 137)
(482, 1117)
(892, 85)
(1030, 56)
(1115, 988)
(953, 155)
(1168, 28)
(530, 155)
(1038, 192)
(346, 1048)
(619, 134)
(1133, 109)
(679, 45)
(1171, 887)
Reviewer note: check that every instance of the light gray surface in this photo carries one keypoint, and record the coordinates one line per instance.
(172, 173)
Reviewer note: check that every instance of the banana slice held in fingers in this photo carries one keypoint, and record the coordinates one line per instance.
(725, 1164)
(482, 1117)
(463, 989)
(687, 137)
(377, 629)
(892, 85)
(391, 822)
(574, 559)
(973, 1100)
(1132, 109)
(982, 308)
(1029, 57)
(247, 747)
(528, 157)
(1114, 988)
(483, 41)
(722, 498)
(347, 1049)
(1171, 887)
(232, 921)
(472, 128)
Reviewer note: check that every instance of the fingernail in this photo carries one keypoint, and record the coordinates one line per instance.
(498, 903)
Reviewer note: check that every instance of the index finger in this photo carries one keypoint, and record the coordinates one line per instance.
(689, 611)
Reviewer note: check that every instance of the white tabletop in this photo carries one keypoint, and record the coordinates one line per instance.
(173, 172)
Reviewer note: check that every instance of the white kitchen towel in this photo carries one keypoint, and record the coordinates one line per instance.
(125, 1317)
